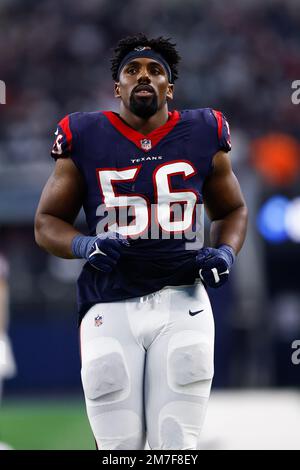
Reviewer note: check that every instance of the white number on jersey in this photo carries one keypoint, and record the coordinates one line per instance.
(165, 198)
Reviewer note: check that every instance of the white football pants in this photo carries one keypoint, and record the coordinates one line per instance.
(147, 368)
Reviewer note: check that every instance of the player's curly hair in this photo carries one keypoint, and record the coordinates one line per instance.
(161, 45)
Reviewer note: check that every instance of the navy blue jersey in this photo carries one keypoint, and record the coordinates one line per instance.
(151, 176)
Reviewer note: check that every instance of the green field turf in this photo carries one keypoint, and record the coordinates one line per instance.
(50, 424)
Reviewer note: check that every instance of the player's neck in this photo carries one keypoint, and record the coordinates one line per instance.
(144, 126)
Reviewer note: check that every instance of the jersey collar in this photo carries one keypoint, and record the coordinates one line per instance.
(144, 142)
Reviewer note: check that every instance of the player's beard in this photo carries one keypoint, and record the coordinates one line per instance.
(143, 107)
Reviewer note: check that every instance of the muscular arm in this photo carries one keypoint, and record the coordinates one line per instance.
(58, 208)
(225, 205)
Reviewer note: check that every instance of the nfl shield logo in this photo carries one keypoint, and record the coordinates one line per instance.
(98, 320)
(146, 144)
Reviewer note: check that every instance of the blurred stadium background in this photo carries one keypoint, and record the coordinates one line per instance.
(238, 56)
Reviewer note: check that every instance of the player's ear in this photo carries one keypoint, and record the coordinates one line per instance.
(170, 91)
(117, 90)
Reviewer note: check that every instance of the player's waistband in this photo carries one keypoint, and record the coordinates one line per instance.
(158, 294)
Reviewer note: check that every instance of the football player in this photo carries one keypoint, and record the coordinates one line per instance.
(143, 176)
(7, 362)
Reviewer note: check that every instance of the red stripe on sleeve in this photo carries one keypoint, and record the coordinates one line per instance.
(219, 118)
(65, 125)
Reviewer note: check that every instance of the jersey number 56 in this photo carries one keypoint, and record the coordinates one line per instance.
(168, 202)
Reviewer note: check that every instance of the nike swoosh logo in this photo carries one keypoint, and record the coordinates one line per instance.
(215, 274)
(195, 313)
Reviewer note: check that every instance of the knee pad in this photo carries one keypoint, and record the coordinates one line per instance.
(190, 363)
(118, 430)
(180, 424)
(105, 376)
